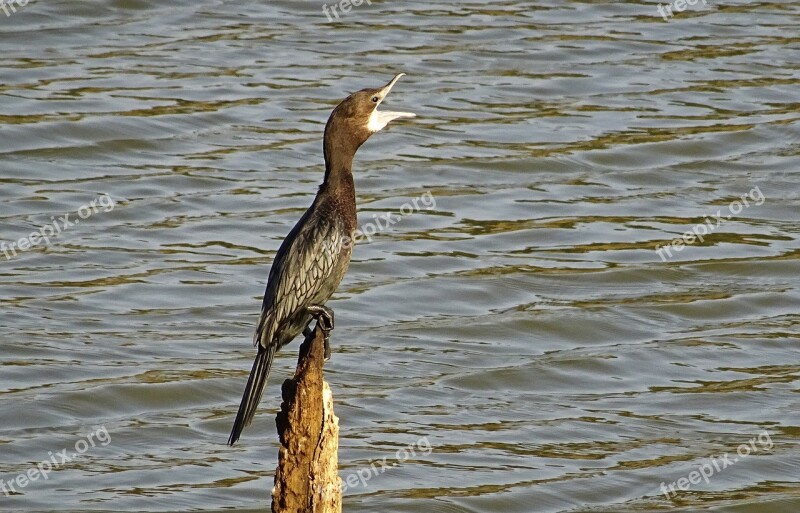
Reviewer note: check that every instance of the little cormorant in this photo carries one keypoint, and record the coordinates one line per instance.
(316, 254)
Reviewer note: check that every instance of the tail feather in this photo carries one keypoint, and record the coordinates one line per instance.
(253, 391)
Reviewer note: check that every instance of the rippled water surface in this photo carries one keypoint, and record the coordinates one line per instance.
(526, 327)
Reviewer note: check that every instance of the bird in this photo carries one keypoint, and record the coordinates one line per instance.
(315, 255)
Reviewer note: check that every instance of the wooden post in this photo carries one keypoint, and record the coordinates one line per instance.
(307, 477)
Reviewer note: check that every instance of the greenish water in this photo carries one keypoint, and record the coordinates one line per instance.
(525, 329)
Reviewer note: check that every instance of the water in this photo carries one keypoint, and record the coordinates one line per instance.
(525, 328)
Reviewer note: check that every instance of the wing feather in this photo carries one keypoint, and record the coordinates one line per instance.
(306, 272)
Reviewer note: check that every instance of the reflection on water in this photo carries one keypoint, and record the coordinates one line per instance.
(526, 326)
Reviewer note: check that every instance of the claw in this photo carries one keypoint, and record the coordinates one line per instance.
(324, 317)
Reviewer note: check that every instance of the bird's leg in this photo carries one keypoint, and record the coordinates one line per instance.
(324, 317)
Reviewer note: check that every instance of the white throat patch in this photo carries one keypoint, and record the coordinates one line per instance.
(375, 123)
(379, 119)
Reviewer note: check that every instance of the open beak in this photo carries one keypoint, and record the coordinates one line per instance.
(379, 119)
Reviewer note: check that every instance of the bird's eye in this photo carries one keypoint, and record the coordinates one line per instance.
(375, 99)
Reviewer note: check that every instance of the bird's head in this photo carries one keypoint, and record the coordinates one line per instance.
(357, 117)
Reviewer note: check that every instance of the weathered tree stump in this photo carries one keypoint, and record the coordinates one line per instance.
(307, 477)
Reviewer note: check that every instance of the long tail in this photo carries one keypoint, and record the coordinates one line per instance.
(253, 391)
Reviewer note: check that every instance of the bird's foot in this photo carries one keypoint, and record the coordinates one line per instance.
(324, 317)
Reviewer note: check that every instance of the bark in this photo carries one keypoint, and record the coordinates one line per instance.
(307, 477)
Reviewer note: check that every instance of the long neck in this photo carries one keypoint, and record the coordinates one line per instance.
(338, 184)
(338, 165)
(339, 147)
